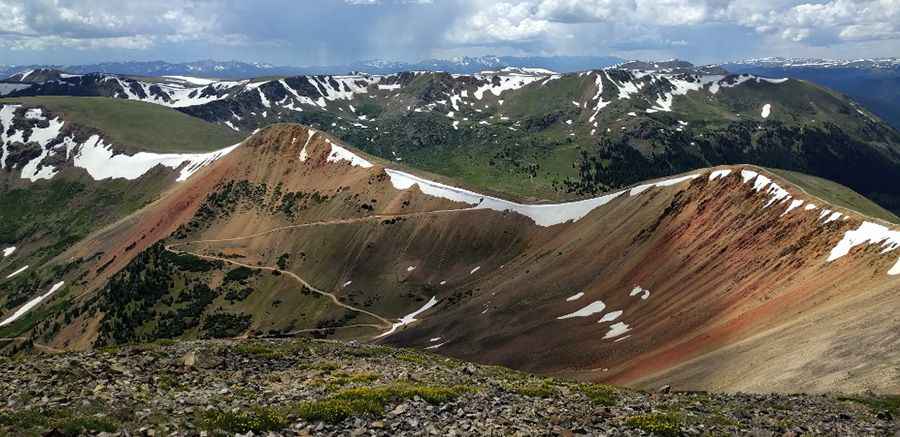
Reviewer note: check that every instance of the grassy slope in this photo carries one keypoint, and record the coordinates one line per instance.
(836, 194)
(138, 125)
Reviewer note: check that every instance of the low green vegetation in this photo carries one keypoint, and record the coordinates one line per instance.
(600, 394)
(878, 403)
(260, 419)
(372, 401)
(533, 389)
(225, 325)
(337, 380)
(258, 350)
(66, 422)
(411, 358)
(138, 125)
(663, 424)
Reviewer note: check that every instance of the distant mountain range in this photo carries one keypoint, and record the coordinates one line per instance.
(235, 69)
(873, 82)
(778, 62)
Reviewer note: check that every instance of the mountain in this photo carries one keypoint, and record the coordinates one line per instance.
(219, 69)
(536, 134)
(69, 166)
(875, 83)
(714, 278)
(243, 70)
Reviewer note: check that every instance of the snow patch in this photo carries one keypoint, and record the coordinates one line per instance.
(664, 183)
(542, 214)
(31, 304)
(17, 272)
(411, 317)
(639, 290)
(575, 296)
(192, 80)
(101, 162)
(474, 270)
(339, 153)
(9, 251)
(610, 316)
(794, 204)
(868, 233)
(616, 330)
(766, 110)
(717, 174)
(895, 270)
(436, 346)
(592, 308)
(303, 154)
(834, 216)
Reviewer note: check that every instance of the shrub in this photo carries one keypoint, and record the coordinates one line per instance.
(239, 274)
(224, 325)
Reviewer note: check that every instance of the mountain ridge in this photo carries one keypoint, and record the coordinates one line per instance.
(345, 223)
(243, 70)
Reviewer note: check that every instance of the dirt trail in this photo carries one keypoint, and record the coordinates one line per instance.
(387, 324)
(292, 275)
(50, 349)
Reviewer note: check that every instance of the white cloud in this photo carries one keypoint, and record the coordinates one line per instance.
(327, 29)
(500, 22)
(94, 24)
(821, 22)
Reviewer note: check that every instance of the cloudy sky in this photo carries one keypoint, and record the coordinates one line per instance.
(323, 32)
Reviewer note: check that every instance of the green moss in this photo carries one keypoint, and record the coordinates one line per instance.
(257, 420)
(664, 424)
(600, 394)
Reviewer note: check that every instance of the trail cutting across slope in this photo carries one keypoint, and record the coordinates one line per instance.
(387, 323)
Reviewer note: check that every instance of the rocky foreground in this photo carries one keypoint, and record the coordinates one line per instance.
(306, 387)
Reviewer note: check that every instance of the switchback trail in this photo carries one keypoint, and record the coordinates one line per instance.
(385, 321)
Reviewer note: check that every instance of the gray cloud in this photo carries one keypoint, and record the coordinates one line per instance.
(333, 31)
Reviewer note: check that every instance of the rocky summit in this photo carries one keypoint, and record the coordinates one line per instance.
(320, 387)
